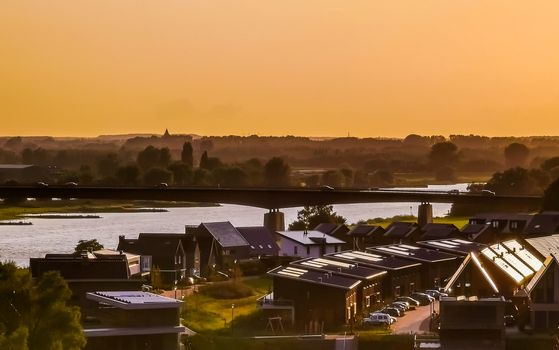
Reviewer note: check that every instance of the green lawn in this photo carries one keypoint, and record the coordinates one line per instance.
(458, 221)
(202, 313)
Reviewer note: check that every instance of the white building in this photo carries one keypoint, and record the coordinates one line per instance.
(306, 244)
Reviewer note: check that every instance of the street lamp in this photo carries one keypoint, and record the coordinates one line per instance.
(175, 288)
(232, 316)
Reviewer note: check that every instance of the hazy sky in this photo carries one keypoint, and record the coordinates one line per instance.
(276, 67)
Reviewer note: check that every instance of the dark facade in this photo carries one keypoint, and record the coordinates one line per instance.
(322, 301)
(546, 223)
(402, 232)
(338, 231)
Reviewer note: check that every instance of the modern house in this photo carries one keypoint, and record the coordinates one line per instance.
(132, 320)
(481, 233)
(402, 276)
(305, 244)
(364, 236)
(321, 301)
(436, 266)
(221, 244)
(507, 226)
(542, 246)
(542, 294)
(261, 240)
(163, 251)
(501, 269)
(369, 293)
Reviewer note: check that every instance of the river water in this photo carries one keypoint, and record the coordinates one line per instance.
(19, 243)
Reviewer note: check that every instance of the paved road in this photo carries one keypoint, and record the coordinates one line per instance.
(416, 321)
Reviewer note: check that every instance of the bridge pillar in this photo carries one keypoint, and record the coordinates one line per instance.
(425, 214)
(274, 220)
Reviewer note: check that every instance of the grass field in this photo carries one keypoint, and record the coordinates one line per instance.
(457, 221)
(15, 212)
(202, 313)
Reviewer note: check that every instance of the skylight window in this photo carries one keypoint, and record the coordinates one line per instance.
(502, 264)
(395, 251)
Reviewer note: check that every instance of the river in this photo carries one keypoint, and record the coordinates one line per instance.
(19, 243)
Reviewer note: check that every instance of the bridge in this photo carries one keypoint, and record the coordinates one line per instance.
(272, 199)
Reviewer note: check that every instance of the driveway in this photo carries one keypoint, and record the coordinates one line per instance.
(416, 321)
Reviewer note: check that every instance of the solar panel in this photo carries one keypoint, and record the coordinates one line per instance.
(395, 251)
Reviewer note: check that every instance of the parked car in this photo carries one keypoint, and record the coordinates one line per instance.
(435, 293)
(405, 303)
(41, 184)
(454, 191)
(392, 311)
(424, 299)
(326, 188)
(378, 319)
(71, 184)
(409, 300)
(487, 193)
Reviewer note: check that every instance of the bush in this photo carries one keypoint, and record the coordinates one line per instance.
(227, 290)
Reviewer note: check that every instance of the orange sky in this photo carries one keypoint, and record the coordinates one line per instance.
(312, 67)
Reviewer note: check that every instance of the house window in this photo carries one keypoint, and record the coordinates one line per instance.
(514, 225)
(397, 291)
(146, 263)
(308, 250)
(336, 248)
(368, 301)
(412, 287)
(295, 250)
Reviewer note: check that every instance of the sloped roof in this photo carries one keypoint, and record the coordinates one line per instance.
(260, 239)
(471, 258)
(343, 268)
(366, 230)
(225, 234)
(413, 252)
(511, 258)
(315, 277)
(400, 229)
(310, 237)
(455, 246)
(374, 260)
(545, 245)
(326, 227)
(439, 232)
(543, 223)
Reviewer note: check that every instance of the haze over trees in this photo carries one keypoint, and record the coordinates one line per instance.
(310, 216)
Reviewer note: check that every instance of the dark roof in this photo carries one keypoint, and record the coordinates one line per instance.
(440, 232)
(327, 228)
(413, 252)
(474, 229)
(433, 226)
(400, 229)
(260, 239)
(373, 260)
(326, 279)
(338, 267)
(310, 237)
(73, 266)
(366, 230)
(454, 246)
(549, 262)
(543, 223)
(225, 234)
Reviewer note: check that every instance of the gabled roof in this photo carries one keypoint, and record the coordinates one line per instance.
(327, 228)
(471, 258)
(513, 259)
(162, 247)
(413, 252)
(225, 234)
(545, 245)
(543, 223)
(328, 279)
(366, 230)
(454, 246)
(310, 237)
(260, 239)
(325, 264)
(401, 229)
(439, 231)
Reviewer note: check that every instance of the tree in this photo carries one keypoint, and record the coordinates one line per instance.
(443, 154)
(276, 173)
(155, 176)
(550, 163)
(310, 216)
(231, 177)
(204, 160)
(164, 157)
(382, 178)
(514, 181)
(128, 175)
(107, 165)
(516, 154)
(148, 158)
(551, 197)
(87, 246)
(187, 154)
(445, 173)
(182, 173)
(35, 314)
(334, 178)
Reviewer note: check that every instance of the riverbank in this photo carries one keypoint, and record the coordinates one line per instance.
(15, 212)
